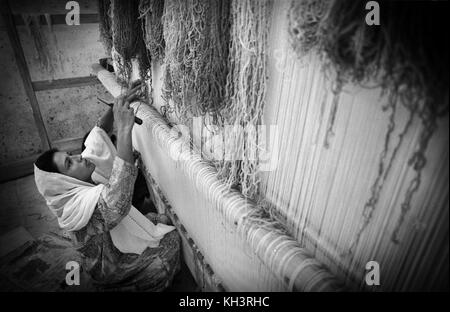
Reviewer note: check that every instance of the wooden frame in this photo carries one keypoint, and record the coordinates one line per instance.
(64, 83)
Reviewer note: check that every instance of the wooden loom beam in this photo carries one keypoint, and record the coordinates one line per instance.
(64, 83)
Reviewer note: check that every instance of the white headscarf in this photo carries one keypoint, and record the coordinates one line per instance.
(73, 201)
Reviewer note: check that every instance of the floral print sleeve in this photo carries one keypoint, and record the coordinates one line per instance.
(115, 200)
(110, 269)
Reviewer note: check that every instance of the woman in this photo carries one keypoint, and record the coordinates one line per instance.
(91, 196)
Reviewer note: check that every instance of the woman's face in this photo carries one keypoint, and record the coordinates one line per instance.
(74, 166)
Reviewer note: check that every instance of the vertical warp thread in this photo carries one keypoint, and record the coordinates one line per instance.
(396, 55)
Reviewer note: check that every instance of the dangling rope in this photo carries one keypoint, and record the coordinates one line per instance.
(151, 11)
(400, 55)
(196, 37)
(245, 93)
(104, 12)
(128, 39)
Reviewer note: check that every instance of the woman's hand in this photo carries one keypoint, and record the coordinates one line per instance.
(124, 118)
(164, 219)
(123, 114)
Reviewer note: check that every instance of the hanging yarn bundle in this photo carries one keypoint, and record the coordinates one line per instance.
(196, 38)
(246, 84)
(104, 12)
(305, 17)
(127, 38)
(150, 12)
(403, 55)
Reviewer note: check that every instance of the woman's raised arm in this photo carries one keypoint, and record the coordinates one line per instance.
(115, 200)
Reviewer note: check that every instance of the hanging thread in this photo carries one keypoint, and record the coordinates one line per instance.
(245, 94)
(196, 37)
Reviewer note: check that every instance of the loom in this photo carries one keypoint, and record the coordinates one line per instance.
(329, 147)
(204, 195)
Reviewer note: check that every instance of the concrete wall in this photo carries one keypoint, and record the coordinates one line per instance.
(71, 49)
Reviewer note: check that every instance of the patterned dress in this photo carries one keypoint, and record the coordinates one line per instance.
(111, 269)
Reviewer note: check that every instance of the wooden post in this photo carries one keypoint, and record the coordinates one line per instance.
(24, 72)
